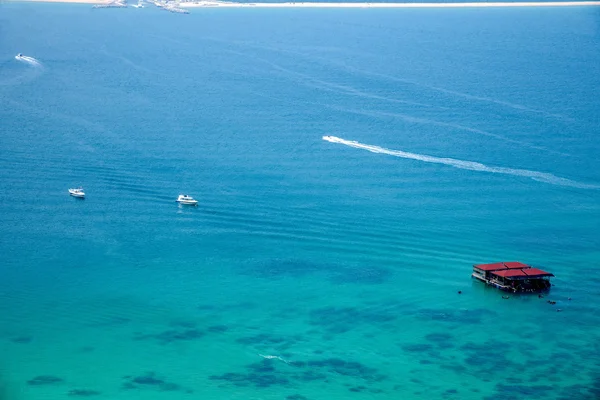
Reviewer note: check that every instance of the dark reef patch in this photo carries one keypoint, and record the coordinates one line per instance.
(265, 366)
(22, 339)
(456, 368)
(560, 356)
(310, 376)
(364, 276)
(148, 379)
(450, 393)
(151, 381)
(272, 372)
(488, 364)
(505, 392)
(262, 338)
(183, 324)
(236, 379)
(267, 340)
(417, 348)
(217, 329)
(473, 316)
(440, 339)
(296, 397)
(580, 391)
(486, 347)
(486, 360)
(217, 311)
(348, 368)
(85, 349)
(45, 380)
(357, 389)
(172, 335)
(343, 319)
(279, 268)
(338, 274)
(262, 374)
(109, 321)
(83, 393)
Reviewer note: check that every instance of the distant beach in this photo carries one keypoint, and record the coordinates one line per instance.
(66, 1)
(353, 5)
(391, 5)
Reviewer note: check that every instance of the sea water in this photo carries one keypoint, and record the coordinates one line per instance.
(311, 269)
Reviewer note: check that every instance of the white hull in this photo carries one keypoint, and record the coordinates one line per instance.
(77, 193)
(188, 202)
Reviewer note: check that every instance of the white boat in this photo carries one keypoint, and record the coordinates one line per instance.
(185, 199)
(77, 193)
(19, 56)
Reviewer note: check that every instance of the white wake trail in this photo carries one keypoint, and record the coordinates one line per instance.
(469, 165)
(270, 357)
(29, 60)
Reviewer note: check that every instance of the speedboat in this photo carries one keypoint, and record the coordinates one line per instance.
(77, 193)
(19, 56)
(185, 199)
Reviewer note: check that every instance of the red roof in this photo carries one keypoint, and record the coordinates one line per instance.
(515, 265)
(507, 273)
(490, 267)
(537, 272)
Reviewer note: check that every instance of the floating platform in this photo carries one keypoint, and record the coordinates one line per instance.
(513, 276)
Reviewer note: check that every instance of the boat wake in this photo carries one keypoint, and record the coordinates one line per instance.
(270, 357)
(469, 165)
(22, 75)
(28, 60)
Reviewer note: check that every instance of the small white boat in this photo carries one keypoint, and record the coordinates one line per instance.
(19, 56)
(77, 193)
(185, 199)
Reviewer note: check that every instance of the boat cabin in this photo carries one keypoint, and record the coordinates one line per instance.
(513, 276)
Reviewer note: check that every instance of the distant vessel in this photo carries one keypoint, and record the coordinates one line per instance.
(77, 193)
(185, 199)
(19, 56)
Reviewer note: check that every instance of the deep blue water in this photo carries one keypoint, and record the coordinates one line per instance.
(310, 269)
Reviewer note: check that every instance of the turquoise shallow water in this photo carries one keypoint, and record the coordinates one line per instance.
(310, 270)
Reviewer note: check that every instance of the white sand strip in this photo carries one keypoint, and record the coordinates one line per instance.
(65, 1)
(391, 5)
(216, 3)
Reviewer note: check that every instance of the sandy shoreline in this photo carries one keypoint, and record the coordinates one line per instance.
(391, 5)
(227, 4)
(63, 1)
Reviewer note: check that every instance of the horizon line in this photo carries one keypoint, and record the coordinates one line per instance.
(304, 4)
